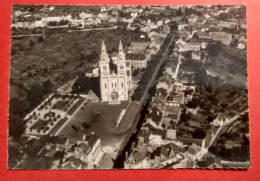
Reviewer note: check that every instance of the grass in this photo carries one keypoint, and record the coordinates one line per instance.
(61, 105)
(39, 124)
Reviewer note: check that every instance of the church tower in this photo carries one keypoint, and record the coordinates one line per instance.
(115, 84)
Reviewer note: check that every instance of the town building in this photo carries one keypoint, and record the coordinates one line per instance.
(115, 76)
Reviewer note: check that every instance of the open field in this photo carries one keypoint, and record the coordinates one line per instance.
(61, 57)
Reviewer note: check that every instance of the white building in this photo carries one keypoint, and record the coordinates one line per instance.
(115, 83)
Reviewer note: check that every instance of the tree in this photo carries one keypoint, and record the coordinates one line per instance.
(201, 77)
(40, 39)
(199, 134)
(82, 85)
(47, 87)
(179, 12)
(35, 95)
(31, 43)
(18, 106)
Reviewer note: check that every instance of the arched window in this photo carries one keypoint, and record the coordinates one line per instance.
(122, 85)
(105, 85)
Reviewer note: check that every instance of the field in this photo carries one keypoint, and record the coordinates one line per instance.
(230, 66)
(61, 57)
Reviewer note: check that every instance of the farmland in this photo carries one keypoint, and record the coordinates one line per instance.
(61, 57)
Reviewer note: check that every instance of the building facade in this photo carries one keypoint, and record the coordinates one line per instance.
(115, 76)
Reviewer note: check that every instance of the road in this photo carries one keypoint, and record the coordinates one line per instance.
(221, 130)
(129, 122)
(225, 127)
(135, 107)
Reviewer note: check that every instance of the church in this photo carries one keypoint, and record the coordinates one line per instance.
(115, 76)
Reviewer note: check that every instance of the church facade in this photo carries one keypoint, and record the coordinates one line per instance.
(115, 76)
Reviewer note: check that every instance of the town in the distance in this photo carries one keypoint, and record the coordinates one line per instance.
(128, 87)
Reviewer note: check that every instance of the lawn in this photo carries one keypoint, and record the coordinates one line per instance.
(61, 105)
(40, 124)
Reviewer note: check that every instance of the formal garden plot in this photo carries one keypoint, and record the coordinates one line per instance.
(52, 114)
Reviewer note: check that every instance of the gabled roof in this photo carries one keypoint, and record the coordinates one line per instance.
(74, 162)
(135, 56)
(135, 157)
(155, 114)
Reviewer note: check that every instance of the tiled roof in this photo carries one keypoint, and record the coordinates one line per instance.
(155, 114)
(135, 56)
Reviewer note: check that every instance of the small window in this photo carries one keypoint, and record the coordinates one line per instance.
(112, 85)
(115, 85)
(105, 85)
(122, 85)
(104, 68)
(121, 67)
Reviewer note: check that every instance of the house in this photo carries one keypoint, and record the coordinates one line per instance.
(209, 162)
(137, 160)
(39, 23)
(114, 13)
(219, 120)
(163, 85)
(182, 25)
(103, 9)
(154, 117)
(196, 55)
(153, 33)
(89, 150)
(62, 143)
(159, 23)
(228, 24)
(113, 20)
(137, 60)
(165, 155)
(77, 23)
(97, 21)
(89, 21)
(73, 163)
(223, 37)
(85, 15)
(171, 132)
(192, 19)
(153, 50)
(172, 113)
(192, 151)
(103, 16)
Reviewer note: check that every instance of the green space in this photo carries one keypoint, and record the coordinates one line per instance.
(61, 105)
